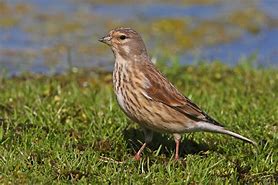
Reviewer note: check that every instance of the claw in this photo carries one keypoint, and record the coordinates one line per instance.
(137, 157)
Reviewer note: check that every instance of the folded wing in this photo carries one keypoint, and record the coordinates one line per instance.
(159, 89)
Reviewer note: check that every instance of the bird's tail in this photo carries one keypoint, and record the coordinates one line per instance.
(208, 127)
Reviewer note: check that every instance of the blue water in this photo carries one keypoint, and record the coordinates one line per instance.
(22, 50)
(270, 7)
(263, 46)
(158, 11)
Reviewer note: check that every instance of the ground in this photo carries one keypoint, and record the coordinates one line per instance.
(69, 129)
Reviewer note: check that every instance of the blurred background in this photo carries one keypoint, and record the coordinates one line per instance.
(52, 36)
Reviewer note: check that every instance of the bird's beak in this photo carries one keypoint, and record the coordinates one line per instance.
(106, 40)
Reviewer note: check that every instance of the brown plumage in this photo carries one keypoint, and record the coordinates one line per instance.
(148, 98)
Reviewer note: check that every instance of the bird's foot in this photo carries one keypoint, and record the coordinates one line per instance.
(137, 157)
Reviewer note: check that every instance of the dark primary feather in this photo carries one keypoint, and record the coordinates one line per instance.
(161, 90)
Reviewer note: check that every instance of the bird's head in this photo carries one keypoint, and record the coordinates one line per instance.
(125, 42)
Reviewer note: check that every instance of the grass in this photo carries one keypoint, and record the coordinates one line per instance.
(69, 129)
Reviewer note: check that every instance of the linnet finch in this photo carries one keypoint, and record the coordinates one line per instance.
(148, 98)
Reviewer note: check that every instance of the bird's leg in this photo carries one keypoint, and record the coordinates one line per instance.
(177, 138)
(138, 154)
(148, 138)
(177, 149)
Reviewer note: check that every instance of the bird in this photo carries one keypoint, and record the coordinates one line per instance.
(148, 98)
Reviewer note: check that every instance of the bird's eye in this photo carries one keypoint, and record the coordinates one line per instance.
(122, 37)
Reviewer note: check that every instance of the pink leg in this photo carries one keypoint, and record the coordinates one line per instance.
(138, 154)
(177, 138)
(148, 138)
(177, 149)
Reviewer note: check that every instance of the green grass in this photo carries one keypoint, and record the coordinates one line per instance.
(69, 129)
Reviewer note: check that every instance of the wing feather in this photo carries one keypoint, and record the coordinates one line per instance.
(161, 90)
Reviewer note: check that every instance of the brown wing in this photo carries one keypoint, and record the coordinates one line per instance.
(161, 90)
